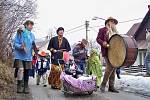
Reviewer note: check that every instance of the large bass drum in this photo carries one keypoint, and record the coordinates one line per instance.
(122, 50)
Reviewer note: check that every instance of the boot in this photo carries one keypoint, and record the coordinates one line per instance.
(26, 80)
(147, 75)
(102, 89)
(19, 86)
(112, 89)
(26, 87)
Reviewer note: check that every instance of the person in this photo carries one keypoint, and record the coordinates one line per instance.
(118, 73)
(72, 69)
(147, 57)
(57, 46)
(94, 66)
(103, 39)
(42, 66)
(80, 54)
(18, 73)
(34, 61)
(23, 46)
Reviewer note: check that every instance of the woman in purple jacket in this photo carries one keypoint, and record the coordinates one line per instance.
(103, 38)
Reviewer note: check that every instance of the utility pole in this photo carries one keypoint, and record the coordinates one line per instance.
(87, 27)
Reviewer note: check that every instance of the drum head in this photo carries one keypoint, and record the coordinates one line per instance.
(117, 51)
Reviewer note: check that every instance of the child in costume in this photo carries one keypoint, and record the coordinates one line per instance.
(42, 66)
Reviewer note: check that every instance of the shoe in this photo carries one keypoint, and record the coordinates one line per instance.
(97, 86)
(102, 89)
(119, 77)
(53, 87)
(19, 86)
(26, 88)
(147, 75)
(37, 84)
(112, 89)
(44, 85)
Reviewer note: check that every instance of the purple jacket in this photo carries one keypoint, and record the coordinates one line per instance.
(102, 37)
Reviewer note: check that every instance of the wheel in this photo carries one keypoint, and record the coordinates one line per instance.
(90, 92)
(65, 94)
(65, 90)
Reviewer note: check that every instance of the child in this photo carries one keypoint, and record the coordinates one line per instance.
(72, 69)
(42, 66)
(32, 71)
(94, 66)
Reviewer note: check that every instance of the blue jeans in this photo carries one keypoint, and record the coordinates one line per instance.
(81, 66)
(147, 62)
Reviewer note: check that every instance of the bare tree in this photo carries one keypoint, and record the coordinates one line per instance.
(12, 14)
(93, 45)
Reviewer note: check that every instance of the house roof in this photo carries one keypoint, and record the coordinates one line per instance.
(144, 24)
(138, 31)
(142, 44)
(133, 29)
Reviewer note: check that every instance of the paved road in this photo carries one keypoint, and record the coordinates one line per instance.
(45, 93)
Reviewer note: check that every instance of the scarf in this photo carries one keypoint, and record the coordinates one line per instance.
(27, 40)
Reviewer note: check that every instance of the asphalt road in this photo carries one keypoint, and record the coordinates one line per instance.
(46, 93)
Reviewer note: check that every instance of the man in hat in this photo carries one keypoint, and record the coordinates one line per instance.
(57, 46)
(80, 54)
(103, 38)
(23, 46)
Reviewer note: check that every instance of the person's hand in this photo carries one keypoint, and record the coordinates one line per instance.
(54, 51)
(22, 47)
(106, 45)
(82, 51)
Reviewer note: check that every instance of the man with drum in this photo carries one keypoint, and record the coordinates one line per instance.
(103, 38)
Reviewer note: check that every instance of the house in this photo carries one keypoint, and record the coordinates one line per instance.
(138, 31)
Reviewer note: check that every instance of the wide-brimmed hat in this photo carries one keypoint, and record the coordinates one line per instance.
(85, 42)
(42, 54)
(111, 19)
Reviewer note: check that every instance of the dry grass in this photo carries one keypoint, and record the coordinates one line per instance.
(6, 80)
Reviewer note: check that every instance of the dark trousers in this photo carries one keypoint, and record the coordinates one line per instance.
(118, 73)
(26, 75)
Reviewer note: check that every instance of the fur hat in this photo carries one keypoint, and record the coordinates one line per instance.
(111, 19)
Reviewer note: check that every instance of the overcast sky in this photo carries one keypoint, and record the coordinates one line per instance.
(72, 13)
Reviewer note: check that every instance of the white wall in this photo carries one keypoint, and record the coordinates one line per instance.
(140, 58)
